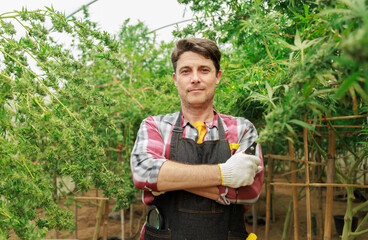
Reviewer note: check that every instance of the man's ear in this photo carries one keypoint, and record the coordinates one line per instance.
(218, 77)
(174, 78)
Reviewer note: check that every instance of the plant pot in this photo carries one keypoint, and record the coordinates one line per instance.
(339, 223)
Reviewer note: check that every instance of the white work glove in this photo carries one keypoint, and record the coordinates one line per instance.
(239, 170)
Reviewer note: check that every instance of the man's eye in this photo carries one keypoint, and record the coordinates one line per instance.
(185, 71)
(205, 70)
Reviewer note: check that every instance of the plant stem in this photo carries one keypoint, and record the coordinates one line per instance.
(7, 77)
(34, 99)
(267, 50)
(360, 207)
(17, 15)
(358, 233)
(359, 230)
(5, 214)
(318, 147)
(348, 218)
(21, 155)
(287, 220)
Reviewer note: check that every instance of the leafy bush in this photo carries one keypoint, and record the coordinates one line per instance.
(62, 107)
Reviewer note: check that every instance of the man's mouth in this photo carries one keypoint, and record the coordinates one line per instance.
(196, 90)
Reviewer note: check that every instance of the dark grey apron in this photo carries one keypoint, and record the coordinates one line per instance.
(188, 216)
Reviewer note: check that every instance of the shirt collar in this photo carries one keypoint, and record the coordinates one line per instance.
(171, 119)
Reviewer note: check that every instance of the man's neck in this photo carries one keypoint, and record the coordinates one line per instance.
(193, 114)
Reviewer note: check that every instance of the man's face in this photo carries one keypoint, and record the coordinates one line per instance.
(196, 79)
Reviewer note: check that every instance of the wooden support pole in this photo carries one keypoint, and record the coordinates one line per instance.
(98, 219)
(268, 198)
(339, 118)
(319, 192)
(365, 173)
(131, 218)
(295, 191)
(122, 218)
(330, 179)
(106, 220)
(307, 181)
(288, 158)
(339, 126)
(76, 216)
(96, 198)
(318, 185)
(254, 218)
(55, 197)
(122, 222)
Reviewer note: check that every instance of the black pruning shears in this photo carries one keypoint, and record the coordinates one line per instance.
(251, 150)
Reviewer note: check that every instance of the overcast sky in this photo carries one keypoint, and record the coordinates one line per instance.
(110, 14)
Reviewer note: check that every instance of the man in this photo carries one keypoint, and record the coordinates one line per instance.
(191, 164)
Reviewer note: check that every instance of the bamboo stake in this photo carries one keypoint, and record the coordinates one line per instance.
(101, 217)
(76, 217)
(307, 197)
(56, 196)
(268, 198)
(98, 219)
(330, 179)
(131, 217)
(338, 126)
(288, 158)
(255, 219)
(295, 191)
(365, 177)
(122, 218)
(320, 193)
(113, 150)
(346, 133)
(96, 198)
(125, 90)
(115, 81)
(122, 222)
(340, 118)
(291, 172)
(106, 220)
(318, 185)
(93, 198)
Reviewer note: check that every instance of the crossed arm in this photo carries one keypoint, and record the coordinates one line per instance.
(154, 173)
(201, 180)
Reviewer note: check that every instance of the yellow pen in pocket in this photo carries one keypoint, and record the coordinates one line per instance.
(234, 146)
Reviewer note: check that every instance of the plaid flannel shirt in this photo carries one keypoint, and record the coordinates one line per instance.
(152, 149)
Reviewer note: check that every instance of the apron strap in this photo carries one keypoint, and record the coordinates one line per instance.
(177, 132)
(221, 130)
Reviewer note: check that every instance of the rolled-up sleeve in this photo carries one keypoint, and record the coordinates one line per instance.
(147, 156)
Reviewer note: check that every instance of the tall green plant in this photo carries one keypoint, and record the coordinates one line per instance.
(53, 122)
(290, 60)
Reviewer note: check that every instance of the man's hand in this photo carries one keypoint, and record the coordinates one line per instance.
(239, 170)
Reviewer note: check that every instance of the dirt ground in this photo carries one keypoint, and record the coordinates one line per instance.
(86, 218)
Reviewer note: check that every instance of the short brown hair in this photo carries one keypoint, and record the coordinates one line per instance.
(204, 47)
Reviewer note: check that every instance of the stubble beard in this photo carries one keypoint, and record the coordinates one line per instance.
(197, 104)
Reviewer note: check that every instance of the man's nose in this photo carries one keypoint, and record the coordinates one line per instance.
(195, 77)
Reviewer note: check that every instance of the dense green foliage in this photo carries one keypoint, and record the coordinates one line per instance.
(65, 109)
(291, 61)
(289, 58)
(62, 107)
